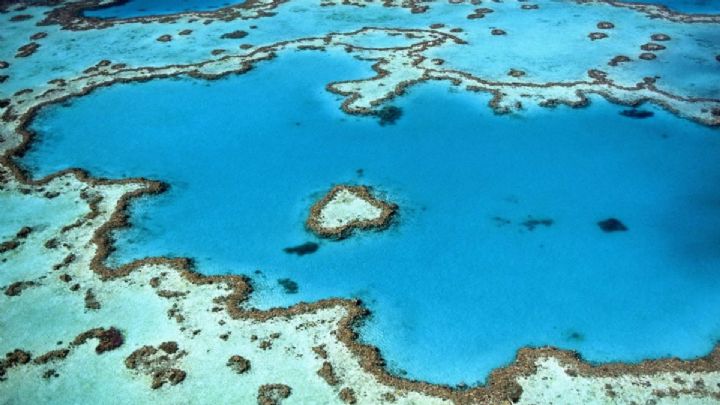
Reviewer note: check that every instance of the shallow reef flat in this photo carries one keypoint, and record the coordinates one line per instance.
(74, 329)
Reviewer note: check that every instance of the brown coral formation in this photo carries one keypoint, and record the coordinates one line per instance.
(382, 222)
(347, 395)
(238, 364)
(479, 13)
(12, 359)
(651, 46)
(27, 50)
(660, 37)
(108, 339)
(159, 363)
(273, 394)
(17, 288)
(15, 242)
(594, 36)
(238, 34)
(498, 31)
(38, 35)
(327, 373)
(164, 38)
(516, 73)
(647, 56)
(91, 301)
(53, 355)
(9, 245)
(20, 17)
(605, 25)
(618, 60)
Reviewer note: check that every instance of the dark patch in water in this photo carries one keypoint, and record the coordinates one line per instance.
(612, 225)
(288, 285)
(635, 113)
(389, 114)
(575, 336)
(304, 249)
(531, 223)
(500, 221)
(359, 172)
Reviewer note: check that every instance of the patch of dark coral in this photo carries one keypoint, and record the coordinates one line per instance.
(327, 373)
(9, 245)
(239, 364)
(158, 363)
(304, 249)
(108, 339)
(347, 395)
(12, 359)
(54, 355)
(27, 50)
(288, 285)
(651, 46)
(273, 394)
(532, 223)
(20, 17)
(17, 288)
(647, 56)
(612, 225)
(516, 73)
(91, 301)
(238, 34)
(636, 113)
(618, 60)
(388, 115)
(479, 13)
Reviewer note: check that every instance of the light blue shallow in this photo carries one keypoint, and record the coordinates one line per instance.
(454, 291)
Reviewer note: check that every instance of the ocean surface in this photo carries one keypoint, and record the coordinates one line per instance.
(496, 246)
(139, 8)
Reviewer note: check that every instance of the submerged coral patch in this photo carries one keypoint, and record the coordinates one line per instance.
(636, 113)
(612, 225)
(302, 250)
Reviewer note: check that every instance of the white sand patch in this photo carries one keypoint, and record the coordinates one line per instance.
(346, 207)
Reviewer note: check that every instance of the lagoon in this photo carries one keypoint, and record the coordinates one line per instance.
(462, 279)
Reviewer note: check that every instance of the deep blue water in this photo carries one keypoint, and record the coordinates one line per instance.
(137, 8)
(459, 283)
(688, 6)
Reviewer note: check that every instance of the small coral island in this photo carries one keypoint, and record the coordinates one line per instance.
(346, 208)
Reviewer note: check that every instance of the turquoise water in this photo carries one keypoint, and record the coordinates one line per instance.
(459, 283)
(140, 8)
(689, 6)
